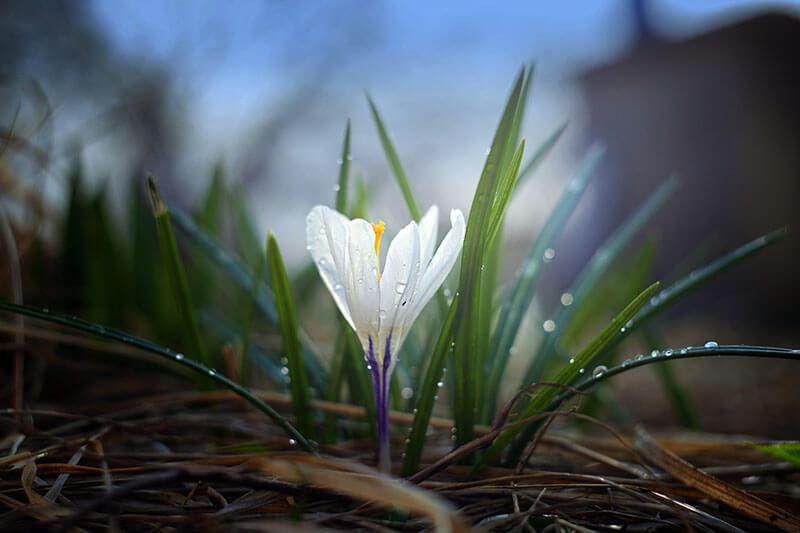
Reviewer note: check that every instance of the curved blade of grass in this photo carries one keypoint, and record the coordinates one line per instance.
(298, 384)
(344, 172)
(241, 277)
(177, 274)
(521, 295)
(592, 273)
(566, 376)
(428, 390)
(507, 186)
(689, 352)
(468, 323)
(394, 162)
(166, 353)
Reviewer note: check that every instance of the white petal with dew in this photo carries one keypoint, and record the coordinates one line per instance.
(325, 236)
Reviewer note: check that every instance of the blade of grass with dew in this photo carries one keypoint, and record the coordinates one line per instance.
(298, 384)
(522, 293)
(519, 437)
(394, 162)
(591, 274)
(712, 350)
(240, 276)
(490, 267)
(426, 394)
(344, 172)
(468, 316)
(167, 354)
(174, 266)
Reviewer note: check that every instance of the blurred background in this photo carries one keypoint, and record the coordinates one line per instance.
(705, 90)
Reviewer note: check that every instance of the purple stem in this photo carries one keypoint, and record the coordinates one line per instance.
(380, 379)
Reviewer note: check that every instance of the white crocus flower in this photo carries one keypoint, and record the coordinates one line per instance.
(382, 305)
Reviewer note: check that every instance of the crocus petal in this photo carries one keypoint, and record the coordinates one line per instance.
(361, 278)
(428, 232)
(326, 235)
(399, 283)
(441, 264)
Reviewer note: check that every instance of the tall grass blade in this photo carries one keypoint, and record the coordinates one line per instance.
(298, 384)
(468, 321)
(344, 173)
(165, 353)
(524, 288)
(592, 273)
(177, 274)
(394, 162)
(426, 394)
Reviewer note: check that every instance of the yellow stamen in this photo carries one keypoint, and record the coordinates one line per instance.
(378, 229)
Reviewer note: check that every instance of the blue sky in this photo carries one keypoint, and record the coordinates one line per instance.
(439, 71)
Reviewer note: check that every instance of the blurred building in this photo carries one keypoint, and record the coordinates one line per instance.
(722, 111)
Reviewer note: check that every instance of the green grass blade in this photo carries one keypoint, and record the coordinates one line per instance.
(167, 354)
(521, 295)
(468, 320)
(298, 385)
(344, 173)
(507, 186)
(710, 350)
(598, 265)
(239, 275)
(426, 394)
(177, 274)
(566, 376)
(210, 215)
(783, 451)
(394, 162)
